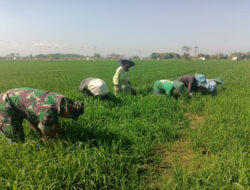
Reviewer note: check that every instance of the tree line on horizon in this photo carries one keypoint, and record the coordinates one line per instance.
(156, 56)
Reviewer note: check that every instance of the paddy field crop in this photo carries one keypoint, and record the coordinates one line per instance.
(134, 142)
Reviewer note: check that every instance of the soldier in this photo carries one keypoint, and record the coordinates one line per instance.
(40, 108)
(167, 87)
(94, 86)
(121, 77)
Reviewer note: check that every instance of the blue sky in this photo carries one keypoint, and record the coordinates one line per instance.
(128, 27)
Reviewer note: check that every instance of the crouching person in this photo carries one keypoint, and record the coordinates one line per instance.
(208, 85)
(211, 84)
(167, 87)
(121, 78)
(190, 82)
(94, 86)
(40, 108)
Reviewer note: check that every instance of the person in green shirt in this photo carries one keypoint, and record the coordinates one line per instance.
(167, 87)
(121, 78)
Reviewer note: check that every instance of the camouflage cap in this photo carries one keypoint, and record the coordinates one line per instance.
(75, 109)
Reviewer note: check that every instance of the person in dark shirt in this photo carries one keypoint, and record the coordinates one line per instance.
(189, 81)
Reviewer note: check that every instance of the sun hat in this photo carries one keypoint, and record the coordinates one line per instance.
(179, 86)
(122, 62)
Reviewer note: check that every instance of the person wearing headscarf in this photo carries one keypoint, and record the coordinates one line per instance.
(40, 108)
(211, 84)
(121, 78)
(167, 87)
(94, 86)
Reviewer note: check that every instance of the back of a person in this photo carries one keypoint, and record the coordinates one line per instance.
(120, 76)
(186, 79)
(163, 86)
(32, 101)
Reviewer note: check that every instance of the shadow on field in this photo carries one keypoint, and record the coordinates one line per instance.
(145, 90)
(205, 92)
(95, 136)
(110, 98)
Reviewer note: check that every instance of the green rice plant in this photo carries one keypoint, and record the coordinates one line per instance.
(111, 145)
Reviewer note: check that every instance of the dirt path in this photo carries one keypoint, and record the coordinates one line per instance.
(179, 153)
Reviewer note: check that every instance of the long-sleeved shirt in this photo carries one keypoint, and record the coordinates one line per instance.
(40, 107)
(164, 86)
(121, 79)
(189, 81)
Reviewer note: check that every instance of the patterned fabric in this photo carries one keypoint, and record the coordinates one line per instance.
(40, 108)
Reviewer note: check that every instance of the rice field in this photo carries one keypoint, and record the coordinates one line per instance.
(134, 142)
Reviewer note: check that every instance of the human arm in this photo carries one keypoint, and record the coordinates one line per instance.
(48, 124)
(49, 132)
(190, 85)
(116, 78)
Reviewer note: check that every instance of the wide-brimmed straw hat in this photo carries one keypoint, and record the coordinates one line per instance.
(124, 61)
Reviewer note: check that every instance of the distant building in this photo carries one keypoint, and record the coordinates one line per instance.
(235, 58)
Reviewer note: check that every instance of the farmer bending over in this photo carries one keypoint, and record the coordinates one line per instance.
(210, 84)
(94, 86)
(189, 81)
(40, 108)
(121, 77)
(167, 87)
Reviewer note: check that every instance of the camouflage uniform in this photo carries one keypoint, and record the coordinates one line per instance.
(41, 108)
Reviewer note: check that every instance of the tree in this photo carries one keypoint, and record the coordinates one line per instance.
(136, 57)
(114, 56)
(207, 56)
(186, 49)
(97, 55)
(186, 56)
(221, 56)
(169, 55)
(11, 55)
